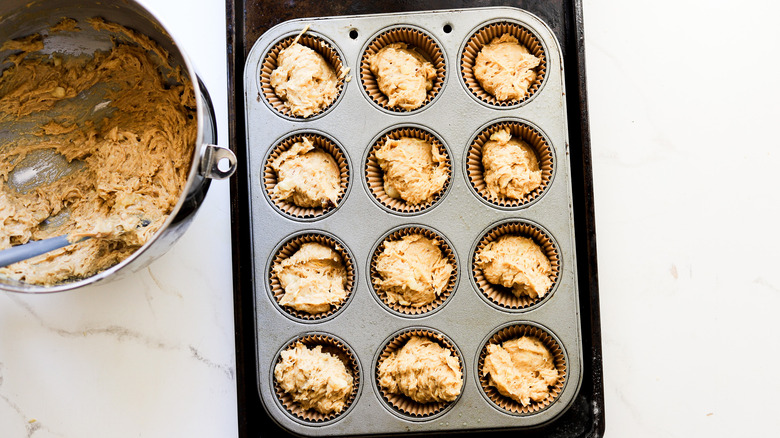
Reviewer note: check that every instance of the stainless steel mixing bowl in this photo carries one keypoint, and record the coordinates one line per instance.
(20, 18)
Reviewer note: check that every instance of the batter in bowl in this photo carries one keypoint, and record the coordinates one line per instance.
(124, 172)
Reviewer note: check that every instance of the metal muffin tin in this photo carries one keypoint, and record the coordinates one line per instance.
(467, 318)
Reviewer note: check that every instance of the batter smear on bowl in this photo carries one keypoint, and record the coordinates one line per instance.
(123, 172)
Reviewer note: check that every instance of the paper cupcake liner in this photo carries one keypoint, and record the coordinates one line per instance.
(399, 402)
(446, 251)
(424, 44)
(270, 178)
(475, 171)
(513, 332)
(287, 250)
(484, 36)
(503, 296)
(375, 176)
(329, 345)
(269, 64)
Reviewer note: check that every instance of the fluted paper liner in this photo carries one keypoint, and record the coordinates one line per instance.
(270, 63)
(375, 176)
(288, 249)
(446, 251)
(475, 171)
(514, 332)
(483, 37)
(400, 402)
(501, 295)
(329, 345)
(414, 39)
(270, 177)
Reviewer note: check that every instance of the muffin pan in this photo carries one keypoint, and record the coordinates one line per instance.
(473, 313)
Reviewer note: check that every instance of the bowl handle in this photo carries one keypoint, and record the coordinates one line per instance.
(210, 158)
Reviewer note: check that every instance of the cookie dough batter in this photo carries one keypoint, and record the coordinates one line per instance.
(413, 169)
(403, 75)
(422, 370)
(304, 80)
(313, 278)
(511, 169)
(120, 173)
(315, 379)
(522, 369)
(517, 263)
(505, 68)
(412, 271)
(307, 176)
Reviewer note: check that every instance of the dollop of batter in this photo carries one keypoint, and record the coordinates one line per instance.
(304, 80)
(307, 176)
(413, 169)
(517, 263)
(522, 369)
(127, 169)
(412, 271)
(505, 68)
(313, 278)
(315, 379)
(422, 370)
(403, 75)
(511, 169)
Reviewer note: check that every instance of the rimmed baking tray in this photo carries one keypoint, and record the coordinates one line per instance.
(584, 416)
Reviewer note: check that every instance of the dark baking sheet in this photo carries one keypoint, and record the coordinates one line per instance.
(246, 21)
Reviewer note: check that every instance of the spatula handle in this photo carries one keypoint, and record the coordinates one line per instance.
(32, 249)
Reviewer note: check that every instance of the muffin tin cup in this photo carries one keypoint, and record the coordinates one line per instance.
(475, 171)
(374, 176)
(500, 295)
(515, 331)
(447, 252)
(483, 37)
(334, 346)
(400, 403)
(270, 178)
(287, 249)
(270, 62)
(416, 39)
(460, 217)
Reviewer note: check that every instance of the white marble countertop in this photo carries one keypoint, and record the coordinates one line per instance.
(683, 98)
